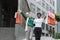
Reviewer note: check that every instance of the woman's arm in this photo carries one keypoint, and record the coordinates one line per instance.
(24, 15)
(44, 17)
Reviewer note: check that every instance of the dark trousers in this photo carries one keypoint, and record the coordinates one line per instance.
(37, 32)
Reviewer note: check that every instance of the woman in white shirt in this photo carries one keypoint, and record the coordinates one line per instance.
(38, 28)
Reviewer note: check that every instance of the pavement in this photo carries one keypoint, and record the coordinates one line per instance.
(9, 34)
(42, 38)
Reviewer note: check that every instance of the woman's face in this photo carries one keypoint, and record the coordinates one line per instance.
(38, 15)
(28, 15)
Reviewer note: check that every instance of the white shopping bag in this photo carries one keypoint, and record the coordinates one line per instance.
(26, 27)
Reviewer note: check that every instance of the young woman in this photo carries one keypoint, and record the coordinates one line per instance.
(38, 28)
(29, 25)
(18, 24)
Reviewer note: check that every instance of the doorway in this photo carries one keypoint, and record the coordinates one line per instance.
(8, 9)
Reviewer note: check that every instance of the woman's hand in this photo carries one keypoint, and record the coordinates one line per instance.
(45, 17)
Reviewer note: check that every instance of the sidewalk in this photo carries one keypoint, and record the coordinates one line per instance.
(44, 38)
(8, 34)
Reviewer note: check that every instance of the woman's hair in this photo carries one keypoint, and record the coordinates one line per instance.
(38, 14)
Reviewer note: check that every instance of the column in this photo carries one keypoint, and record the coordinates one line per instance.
(19, 1)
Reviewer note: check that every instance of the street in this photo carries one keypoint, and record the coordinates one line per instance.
(8, 34)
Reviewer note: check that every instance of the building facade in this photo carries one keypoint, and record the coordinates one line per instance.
(43, 6)
(58, 12)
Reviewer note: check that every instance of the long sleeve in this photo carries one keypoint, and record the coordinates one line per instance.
(24, 15)
(34, 21)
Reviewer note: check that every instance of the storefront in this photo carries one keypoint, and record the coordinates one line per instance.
(8, 9)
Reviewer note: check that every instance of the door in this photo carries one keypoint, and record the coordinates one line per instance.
(9, 7)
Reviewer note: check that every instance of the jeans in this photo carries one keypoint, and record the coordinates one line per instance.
(37, 32)
(29, 33)
(19, 32)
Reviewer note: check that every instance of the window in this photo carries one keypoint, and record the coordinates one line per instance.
(47, 0)
(53, 11)
(39, 2)
(32, 7)
(51, 28)
(53, 3)
(43, 25)
(50, 9)
(38, 9)
(47, 7)
(43, 0)
(43, 13)
(43, 4)
(46, 26)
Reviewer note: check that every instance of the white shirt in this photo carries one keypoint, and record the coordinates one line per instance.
(38, 22)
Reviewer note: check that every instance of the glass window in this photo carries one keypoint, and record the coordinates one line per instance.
(43, 0)
(53, 11)
(46, 26)
(47, 0)
(43, 4)
(39, 2)
(47, 7)
(53, 3)
(43, 25)
(38, 9)
(50, 27)
(50, 9)
(32, 7)
(43, 13)
(53, 30)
